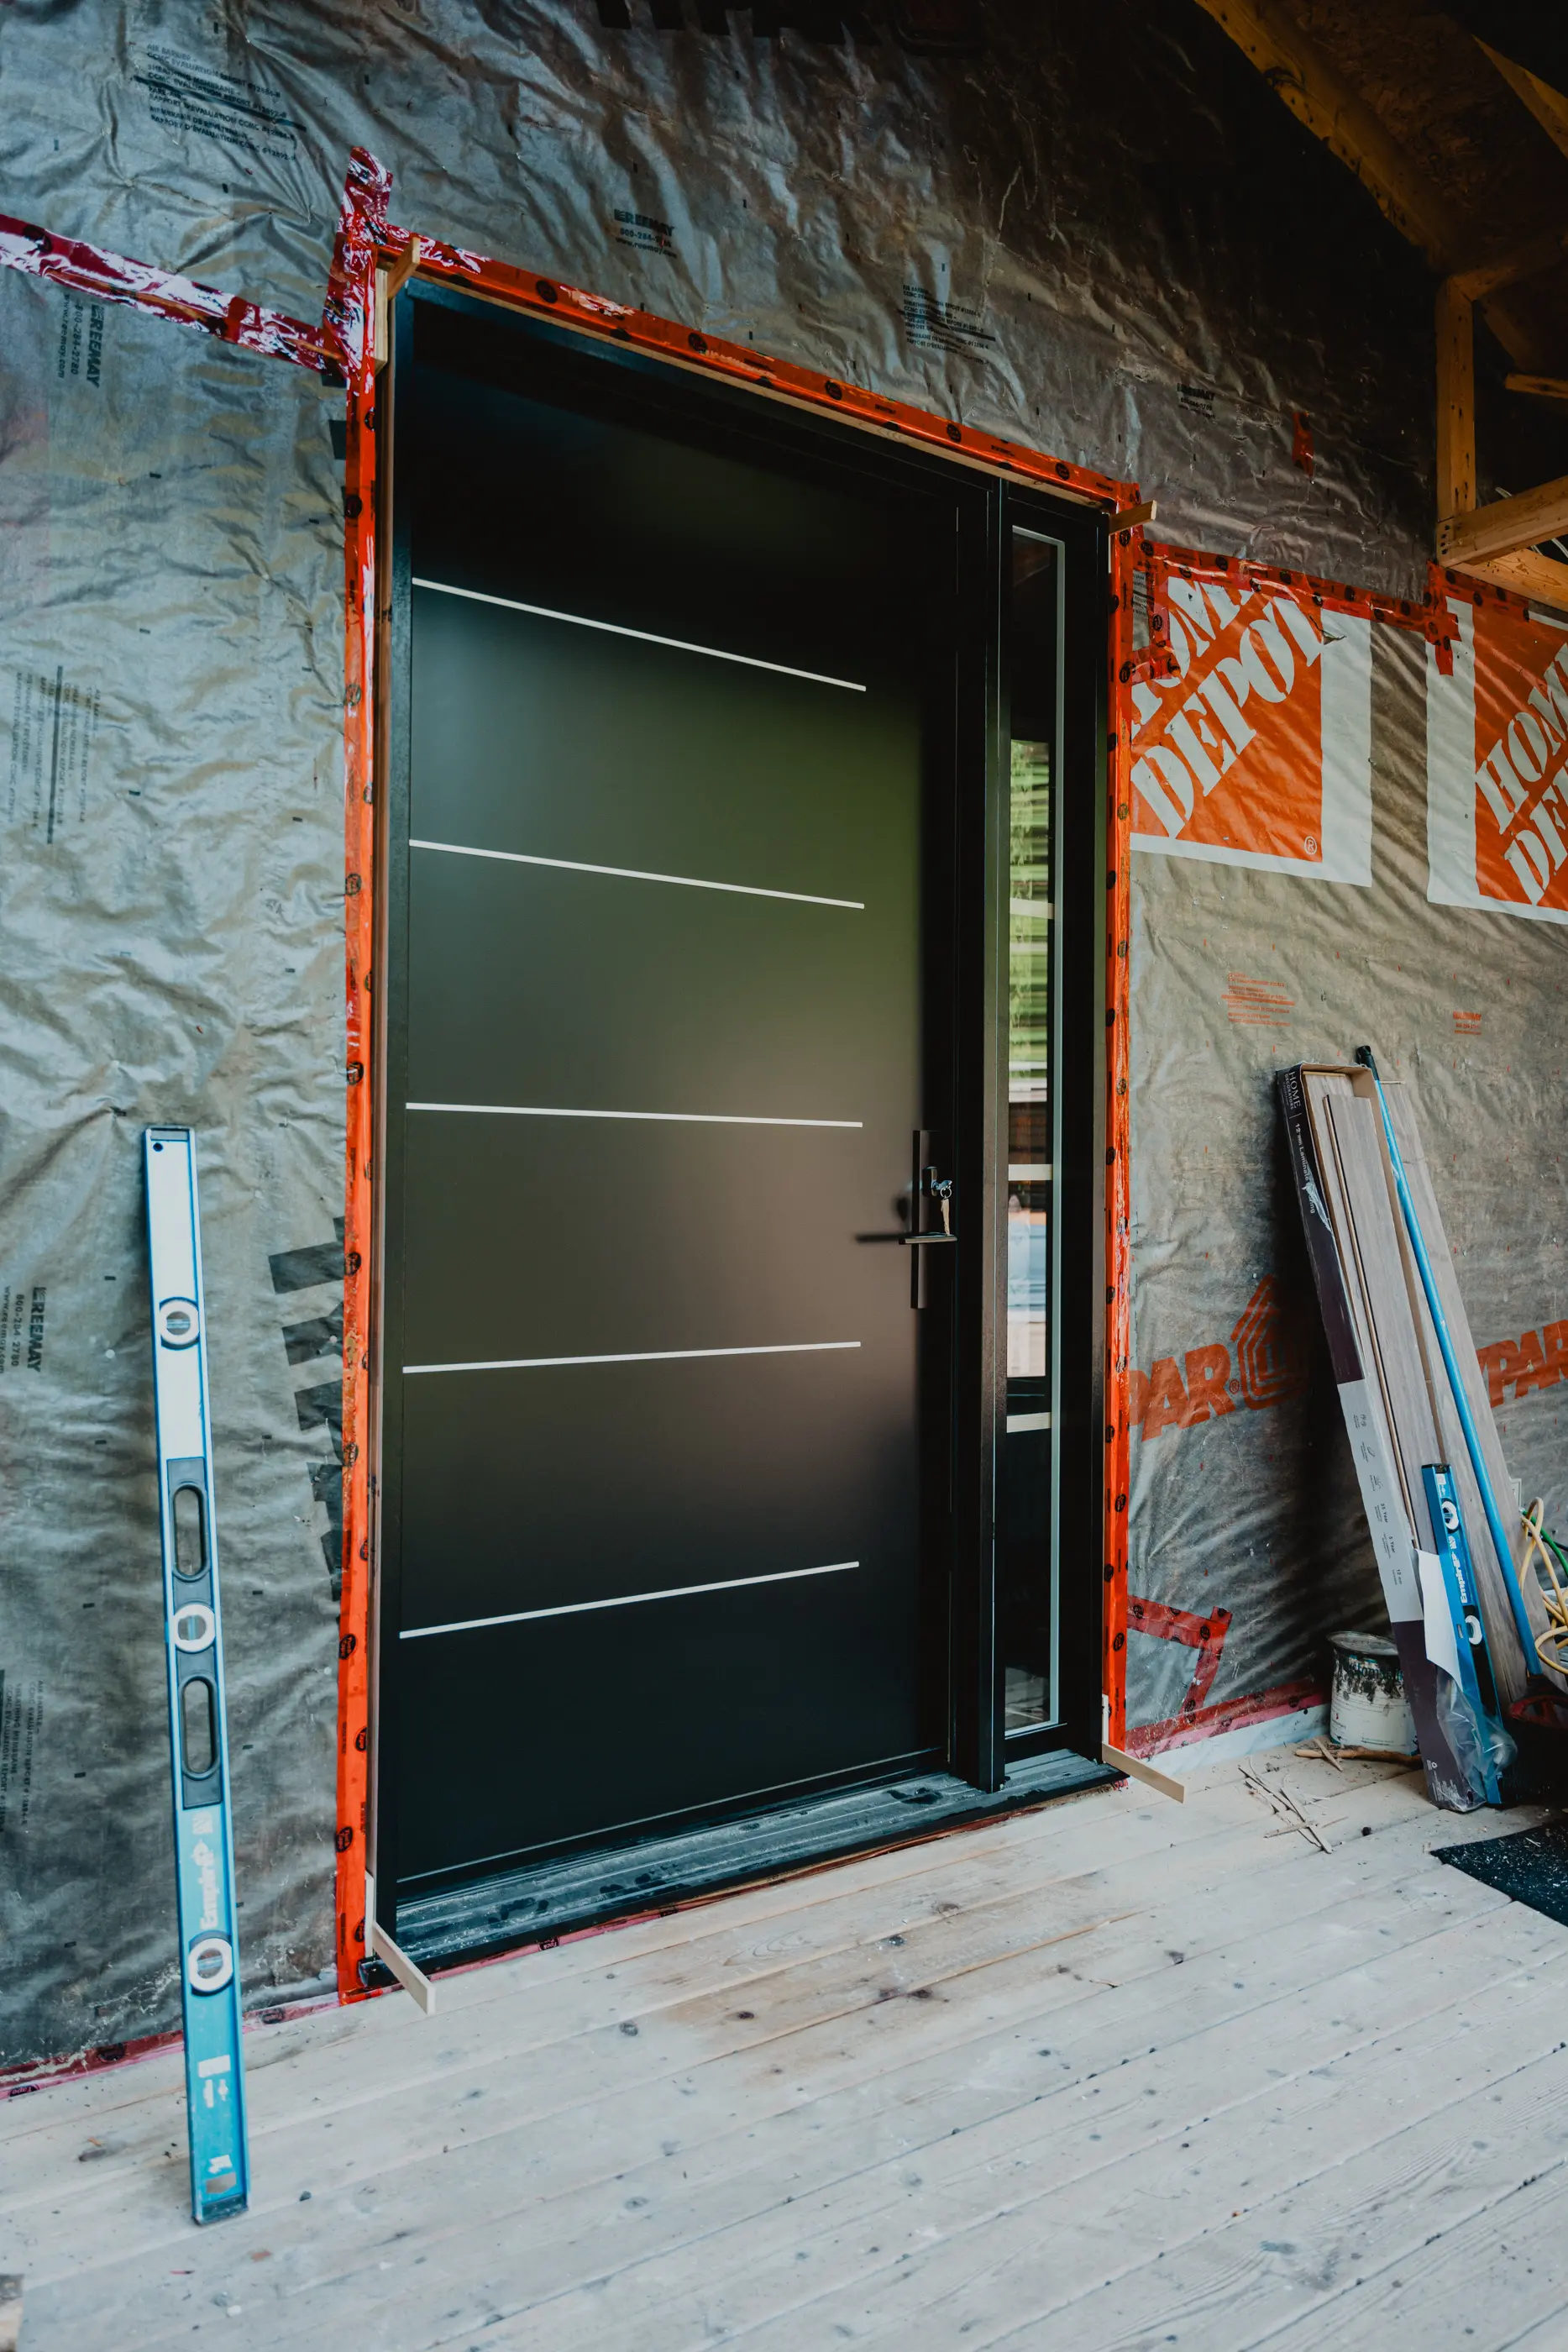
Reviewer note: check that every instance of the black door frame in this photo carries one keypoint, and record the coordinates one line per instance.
(966, 1022)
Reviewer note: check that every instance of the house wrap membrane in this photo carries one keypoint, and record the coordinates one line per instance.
(1094, 231)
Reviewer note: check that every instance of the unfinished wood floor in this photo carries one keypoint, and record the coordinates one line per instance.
(1120, 2073)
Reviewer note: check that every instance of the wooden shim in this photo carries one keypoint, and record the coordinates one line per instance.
(1136, 1770)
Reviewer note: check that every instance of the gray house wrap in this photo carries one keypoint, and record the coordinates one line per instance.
(1027, 220)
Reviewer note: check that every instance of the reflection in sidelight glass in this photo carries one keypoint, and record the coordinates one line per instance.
(1025, 1575)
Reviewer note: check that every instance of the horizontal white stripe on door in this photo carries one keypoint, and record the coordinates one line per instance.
(1017, 1422)
(643, 636)
(681, 1117)
(643, 1356)
(635, 873)
(622, 1601)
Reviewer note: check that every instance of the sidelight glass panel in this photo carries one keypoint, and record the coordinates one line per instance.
(1026, 1595)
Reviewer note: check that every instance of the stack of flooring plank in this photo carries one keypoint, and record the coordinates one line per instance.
(1398, 1407)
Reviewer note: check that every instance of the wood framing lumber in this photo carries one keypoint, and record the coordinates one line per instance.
(1456, 401)
(1507, 267)
(1541, 578)
(1549, 106)
(1317, 94)
(1539, 387)
(1506, 525)
(1133, 517)
(1302, 75)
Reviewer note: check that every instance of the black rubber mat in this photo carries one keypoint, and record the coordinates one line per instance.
(1531, 1866)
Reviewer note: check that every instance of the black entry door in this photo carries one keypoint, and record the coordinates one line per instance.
(675, 742)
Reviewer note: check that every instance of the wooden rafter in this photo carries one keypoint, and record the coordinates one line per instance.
(1540, 577)
(1549, 106)
(1506, 526)
(1540, 387)
(1298, 73)
(1318, 95)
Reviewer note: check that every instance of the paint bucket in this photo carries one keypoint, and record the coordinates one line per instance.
(1367, 1707)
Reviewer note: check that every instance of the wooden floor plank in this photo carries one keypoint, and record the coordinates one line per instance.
(923, 2073)
(811, 1972)
(1080, 2133)
(988, 2092)
(1091, 2259)
(553, 2081)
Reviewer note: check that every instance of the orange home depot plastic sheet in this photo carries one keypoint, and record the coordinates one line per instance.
(1497, 758)
(1252, 739)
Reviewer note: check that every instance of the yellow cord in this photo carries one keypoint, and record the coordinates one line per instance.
(1551, 1647)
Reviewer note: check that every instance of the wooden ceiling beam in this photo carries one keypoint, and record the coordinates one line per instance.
(1317, 94)
(1298, 73)
(1506, 526)
(1540, 577)
(1488, 276)
(1549, 106)
(1540, 387)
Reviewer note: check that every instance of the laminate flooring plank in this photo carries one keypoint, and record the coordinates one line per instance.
(1324, 1091)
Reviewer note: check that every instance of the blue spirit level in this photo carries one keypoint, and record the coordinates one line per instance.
(1474, 1658)
(203, 1845)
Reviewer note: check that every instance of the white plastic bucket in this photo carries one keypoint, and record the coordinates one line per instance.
(1367, 1707)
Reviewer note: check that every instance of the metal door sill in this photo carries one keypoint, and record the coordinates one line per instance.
(517, 1909)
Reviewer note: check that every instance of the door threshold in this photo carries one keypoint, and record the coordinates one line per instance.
(564, 1897)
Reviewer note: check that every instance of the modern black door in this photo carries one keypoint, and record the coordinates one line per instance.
(670, 876)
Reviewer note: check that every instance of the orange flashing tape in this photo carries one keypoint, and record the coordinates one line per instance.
(105, 277)
(547, 297)
(350, 321)
(1425, 617)
(1127, 556)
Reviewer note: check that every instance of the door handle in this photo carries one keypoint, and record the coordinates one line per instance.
(925, 1189)
(932, 1187)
